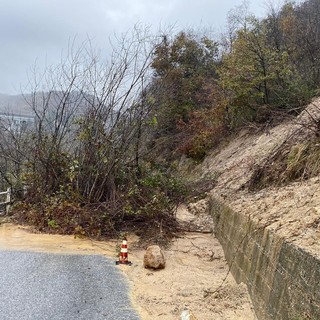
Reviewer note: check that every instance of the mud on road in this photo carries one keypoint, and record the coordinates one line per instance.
(195, 267)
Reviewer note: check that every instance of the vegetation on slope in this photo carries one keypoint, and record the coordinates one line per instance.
(101, 155)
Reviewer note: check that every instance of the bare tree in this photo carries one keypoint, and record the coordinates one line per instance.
(89, 118)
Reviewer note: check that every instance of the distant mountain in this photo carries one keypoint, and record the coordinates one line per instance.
(18, 105)
(14, 105)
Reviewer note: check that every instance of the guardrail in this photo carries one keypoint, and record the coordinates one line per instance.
(8, 199)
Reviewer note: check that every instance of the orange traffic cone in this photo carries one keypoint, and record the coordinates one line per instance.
(123, 257)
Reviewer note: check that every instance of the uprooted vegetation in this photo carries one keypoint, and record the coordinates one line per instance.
(297, 158)
(146, 208)
(293, 162)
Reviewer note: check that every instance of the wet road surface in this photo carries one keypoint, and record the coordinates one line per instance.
(41, 286)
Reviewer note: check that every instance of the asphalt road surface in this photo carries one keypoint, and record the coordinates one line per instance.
(41, 286)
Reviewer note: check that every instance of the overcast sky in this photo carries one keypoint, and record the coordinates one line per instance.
(38, 30)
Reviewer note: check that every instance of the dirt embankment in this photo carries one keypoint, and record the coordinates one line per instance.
(292, 209)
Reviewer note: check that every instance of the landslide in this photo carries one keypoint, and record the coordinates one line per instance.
(273, 177)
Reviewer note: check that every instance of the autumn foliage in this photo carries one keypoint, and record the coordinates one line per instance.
(106, 134)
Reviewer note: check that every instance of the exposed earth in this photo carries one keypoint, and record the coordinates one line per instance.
(292, 210)
(196, 278)
(195, 269)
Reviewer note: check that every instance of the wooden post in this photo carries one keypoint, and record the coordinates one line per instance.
(8, 200)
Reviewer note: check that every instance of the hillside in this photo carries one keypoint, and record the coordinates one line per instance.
(253, 173)
(251, 176)
(14, 104)
(289, 208)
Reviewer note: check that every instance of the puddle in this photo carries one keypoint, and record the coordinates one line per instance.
(14, 237)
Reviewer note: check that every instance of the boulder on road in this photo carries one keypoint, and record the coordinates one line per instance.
(154, 258)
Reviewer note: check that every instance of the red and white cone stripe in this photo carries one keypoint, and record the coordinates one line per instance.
(124, 251)
(123, 257)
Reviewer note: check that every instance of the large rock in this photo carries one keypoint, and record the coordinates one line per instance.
(154, 258)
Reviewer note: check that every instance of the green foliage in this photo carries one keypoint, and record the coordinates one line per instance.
(155, 192)
(52, 224)
(189, 105)
(259, 72)
(181, 68)
(146, 205)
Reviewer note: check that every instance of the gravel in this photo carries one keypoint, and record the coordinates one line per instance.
(39, 286)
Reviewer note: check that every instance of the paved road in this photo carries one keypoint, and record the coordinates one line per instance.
(41, 286)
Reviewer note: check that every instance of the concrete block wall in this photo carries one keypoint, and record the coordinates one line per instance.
(283, 280)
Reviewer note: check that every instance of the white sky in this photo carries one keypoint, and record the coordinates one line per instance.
(38, 30)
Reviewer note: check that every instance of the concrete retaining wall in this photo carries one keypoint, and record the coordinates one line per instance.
(283, 279)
